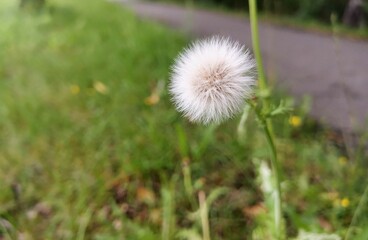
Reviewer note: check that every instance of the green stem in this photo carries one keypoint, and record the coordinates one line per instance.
(262, 83)
(258, 56)
(275, 171)
(256, 44)
(267, 124)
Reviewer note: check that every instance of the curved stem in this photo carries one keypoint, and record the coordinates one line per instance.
(275, 171)
(267, 125)
(256, 45)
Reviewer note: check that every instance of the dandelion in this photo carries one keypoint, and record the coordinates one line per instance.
(345, 202)
(211, 80)
(295, 121)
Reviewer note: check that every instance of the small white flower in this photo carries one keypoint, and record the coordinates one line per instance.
(211, 80)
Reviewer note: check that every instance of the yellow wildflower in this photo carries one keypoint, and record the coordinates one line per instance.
(345, 202)
(343, 160)
(100, 87)
(295, 121)
(74, 89)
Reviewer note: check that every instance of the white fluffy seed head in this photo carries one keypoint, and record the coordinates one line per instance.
(211, 80)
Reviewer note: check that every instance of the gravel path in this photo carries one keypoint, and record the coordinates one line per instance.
(333, 72)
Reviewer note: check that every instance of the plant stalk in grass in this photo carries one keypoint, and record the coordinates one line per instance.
(204, 215)
(363, 200)
(275, 170)
(188, 181)
(266, 123)
(276, 174)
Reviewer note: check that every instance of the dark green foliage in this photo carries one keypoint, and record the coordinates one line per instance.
(318, 9)
(304, 9)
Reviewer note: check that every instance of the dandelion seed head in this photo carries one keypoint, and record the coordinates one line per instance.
(211, 80)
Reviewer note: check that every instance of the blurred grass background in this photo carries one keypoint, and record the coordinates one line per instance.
(92, 148)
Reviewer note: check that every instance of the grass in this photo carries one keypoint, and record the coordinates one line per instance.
(92, 148)
(316, 26)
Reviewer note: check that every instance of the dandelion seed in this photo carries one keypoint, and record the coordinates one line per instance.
(345, 202)
(211, 80)
(74, 89)
(295, 121)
